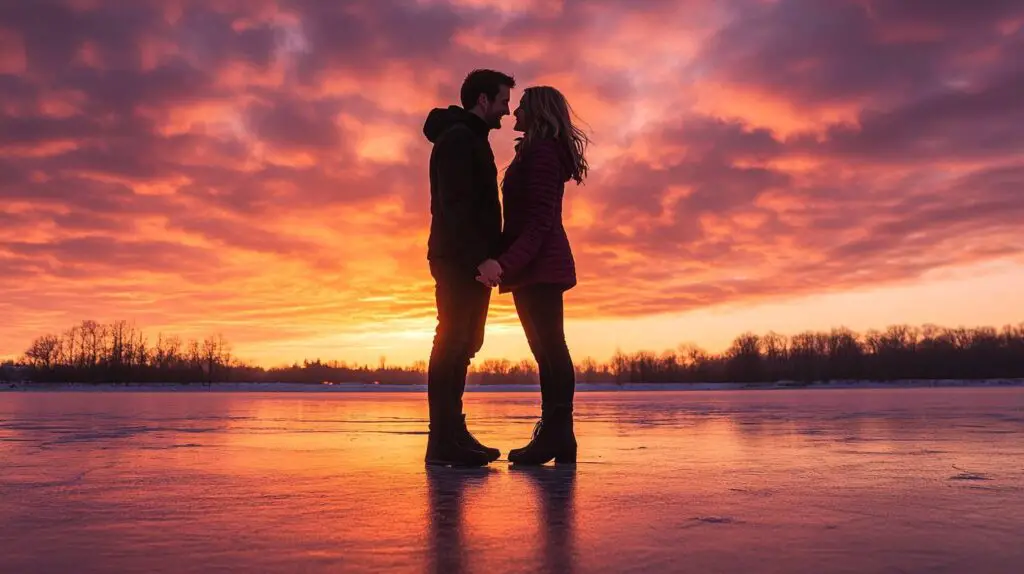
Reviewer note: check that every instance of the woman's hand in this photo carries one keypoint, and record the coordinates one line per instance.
(490, 273)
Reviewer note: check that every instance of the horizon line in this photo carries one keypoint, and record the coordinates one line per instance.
(247, 362)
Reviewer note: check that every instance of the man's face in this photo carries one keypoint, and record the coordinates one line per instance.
(497, 109)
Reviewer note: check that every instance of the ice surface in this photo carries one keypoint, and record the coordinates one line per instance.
(908, 480)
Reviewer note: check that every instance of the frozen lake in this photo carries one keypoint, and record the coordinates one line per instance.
(911, 480)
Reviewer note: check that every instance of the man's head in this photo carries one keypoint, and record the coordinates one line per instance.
(486, 94)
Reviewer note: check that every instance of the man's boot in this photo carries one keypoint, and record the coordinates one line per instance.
(467, 438)
(447, 447)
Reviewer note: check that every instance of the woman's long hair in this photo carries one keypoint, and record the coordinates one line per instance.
(549, 116)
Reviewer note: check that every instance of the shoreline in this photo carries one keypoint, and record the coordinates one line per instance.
(580, 387)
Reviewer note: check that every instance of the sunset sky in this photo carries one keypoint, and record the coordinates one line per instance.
(257, 167)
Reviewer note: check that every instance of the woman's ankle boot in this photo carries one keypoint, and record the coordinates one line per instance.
(553, 438)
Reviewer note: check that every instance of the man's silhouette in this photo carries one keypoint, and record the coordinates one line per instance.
(465, 231)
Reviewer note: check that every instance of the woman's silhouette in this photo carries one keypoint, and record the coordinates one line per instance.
(536, 264)
(555, 489)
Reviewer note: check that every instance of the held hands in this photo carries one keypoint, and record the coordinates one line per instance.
(490, 273)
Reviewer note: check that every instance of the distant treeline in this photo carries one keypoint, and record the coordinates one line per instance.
(119, 352)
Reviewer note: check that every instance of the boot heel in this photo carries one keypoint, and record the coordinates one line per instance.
(567, 457)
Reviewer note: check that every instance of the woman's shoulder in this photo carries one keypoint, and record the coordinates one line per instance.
(547, 155)
(542, 150)
(544, 145)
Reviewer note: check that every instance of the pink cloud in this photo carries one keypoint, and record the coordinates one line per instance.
(259, 166)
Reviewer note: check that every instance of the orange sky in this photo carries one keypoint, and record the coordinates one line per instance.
(256, 168)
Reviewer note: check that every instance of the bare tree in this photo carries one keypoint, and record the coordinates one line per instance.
(44, 352)
(744, 358)
(194, 355)
(94, 352)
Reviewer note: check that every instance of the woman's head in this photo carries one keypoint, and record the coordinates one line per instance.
(544, 112)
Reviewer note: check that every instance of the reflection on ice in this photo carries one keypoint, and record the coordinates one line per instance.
(781, 481)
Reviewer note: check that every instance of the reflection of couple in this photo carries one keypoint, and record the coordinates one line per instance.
(448, 494)
(469, 254)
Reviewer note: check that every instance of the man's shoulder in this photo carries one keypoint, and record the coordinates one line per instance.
(461, 140)
(458, 133)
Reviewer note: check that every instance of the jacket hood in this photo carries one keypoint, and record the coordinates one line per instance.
(440, 119)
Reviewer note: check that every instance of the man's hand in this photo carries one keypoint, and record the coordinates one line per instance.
(490, 273)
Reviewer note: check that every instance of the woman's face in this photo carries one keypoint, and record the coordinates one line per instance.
(520, 114)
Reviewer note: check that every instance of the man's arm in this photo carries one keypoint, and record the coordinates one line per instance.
(454, 154)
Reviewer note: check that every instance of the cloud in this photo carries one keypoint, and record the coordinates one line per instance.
(257, 166)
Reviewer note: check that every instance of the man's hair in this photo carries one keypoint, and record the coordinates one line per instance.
(487, 82)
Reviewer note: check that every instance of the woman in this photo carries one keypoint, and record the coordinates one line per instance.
(536, 264)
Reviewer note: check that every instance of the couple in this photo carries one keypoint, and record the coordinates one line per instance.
(469, 253)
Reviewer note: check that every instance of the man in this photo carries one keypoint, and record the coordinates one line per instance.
(465, 230)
